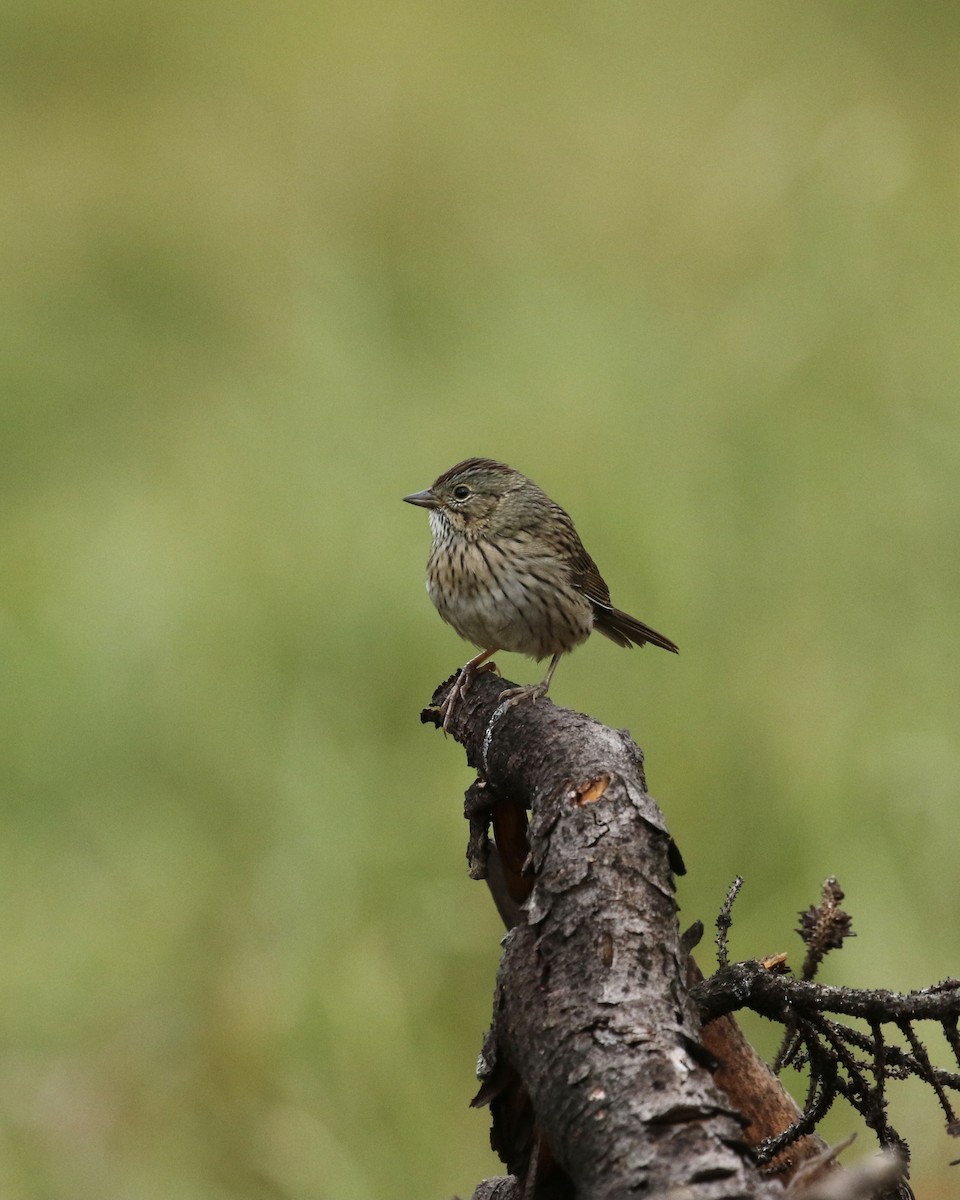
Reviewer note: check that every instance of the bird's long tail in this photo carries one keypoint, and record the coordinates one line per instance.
(623, 629)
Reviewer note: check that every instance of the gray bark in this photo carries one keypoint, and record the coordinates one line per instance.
(594, 1068)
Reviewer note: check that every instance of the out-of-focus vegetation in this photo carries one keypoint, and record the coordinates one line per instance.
(264, 270)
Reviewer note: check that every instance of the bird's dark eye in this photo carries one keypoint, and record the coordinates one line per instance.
(461, 491)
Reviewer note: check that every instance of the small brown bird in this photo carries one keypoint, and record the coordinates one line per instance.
(508, 571)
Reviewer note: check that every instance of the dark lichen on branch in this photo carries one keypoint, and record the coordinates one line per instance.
(841, 1060)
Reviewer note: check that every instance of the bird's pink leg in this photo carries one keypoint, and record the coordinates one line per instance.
(461, 685)
(531, 691)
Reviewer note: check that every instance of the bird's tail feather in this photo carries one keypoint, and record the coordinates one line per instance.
(623, 629)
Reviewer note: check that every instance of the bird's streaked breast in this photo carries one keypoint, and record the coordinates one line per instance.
(504, 593)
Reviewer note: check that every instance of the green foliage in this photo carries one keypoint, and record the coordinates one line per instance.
(264, 270)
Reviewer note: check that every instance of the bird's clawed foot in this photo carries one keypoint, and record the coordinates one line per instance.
(461, 685)
(530, 691)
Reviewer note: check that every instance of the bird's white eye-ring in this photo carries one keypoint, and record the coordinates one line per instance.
(461, 491)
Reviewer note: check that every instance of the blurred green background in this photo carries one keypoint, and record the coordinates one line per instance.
(266, 269)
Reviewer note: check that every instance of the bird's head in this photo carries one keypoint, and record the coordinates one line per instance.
(478, 497)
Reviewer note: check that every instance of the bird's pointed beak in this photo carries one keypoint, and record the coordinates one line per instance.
(425, 499)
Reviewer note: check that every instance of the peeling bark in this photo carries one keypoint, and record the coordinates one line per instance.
(599, 1083)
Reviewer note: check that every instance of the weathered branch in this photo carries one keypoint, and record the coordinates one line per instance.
(598, 1080)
